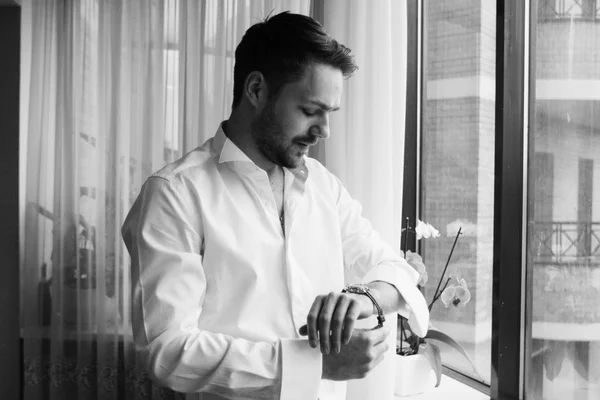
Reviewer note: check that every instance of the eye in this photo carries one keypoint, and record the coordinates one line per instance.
(308, 113)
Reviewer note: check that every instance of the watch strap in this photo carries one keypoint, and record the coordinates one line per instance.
(363, 289)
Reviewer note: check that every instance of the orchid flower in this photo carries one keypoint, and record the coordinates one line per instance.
(456, 295)
(425, 230)
(416, 261)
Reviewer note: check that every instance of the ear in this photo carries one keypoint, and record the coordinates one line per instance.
(255, 89)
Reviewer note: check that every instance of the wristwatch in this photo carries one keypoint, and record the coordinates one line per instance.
(364, 289)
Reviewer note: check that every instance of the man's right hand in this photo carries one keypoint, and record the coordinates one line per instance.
(355, 360)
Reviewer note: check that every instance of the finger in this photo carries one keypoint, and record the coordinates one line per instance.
(350, 318)
(303, 331)
(376, 336)
(338, 318)
(374, 357)
(324, 321)
(376, 361)
(362, 335)
(311, 321)
(380, 349)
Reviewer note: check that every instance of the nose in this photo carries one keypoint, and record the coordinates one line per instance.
(322, 128)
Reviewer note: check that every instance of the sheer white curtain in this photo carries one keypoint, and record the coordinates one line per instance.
(115, 90)
(366, 147)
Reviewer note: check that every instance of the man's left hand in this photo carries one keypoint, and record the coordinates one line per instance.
(331, 319)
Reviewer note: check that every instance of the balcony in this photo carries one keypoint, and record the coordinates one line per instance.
(566, 275)
(557, 242)
(549, 10)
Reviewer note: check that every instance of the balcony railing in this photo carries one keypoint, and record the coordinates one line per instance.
(564, 242)
(566, 9)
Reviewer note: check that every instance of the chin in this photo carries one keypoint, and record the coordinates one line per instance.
(293, 161)
(293, 157)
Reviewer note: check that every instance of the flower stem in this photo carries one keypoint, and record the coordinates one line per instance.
(447, 262)
(403, 246)
(401, 332)
(435, 298)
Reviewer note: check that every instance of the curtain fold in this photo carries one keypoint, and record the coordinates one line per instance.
(116, 89)
(366, 147)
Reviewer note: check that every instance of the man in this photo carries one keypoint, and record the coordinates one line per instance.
(243, 246)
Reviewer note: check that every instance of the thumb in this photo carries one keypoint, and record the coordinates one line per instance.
(383, 332)
(378, 335)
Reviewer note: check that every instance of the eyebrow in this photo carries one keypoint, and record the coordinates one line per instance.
(323, 106)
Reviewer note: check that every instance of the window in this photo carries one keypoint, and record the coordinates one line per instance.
(528, 193)
(457, 169)
(563, 254)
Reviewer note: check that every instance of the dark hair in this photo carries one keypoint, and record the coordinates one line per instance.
(281, 47)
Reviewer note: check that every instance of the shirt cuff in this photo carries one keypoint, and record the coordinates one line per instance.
(404, 278)
(301, 370)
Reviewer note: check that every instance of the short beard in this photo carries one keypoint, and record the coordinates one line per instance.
(269, 136)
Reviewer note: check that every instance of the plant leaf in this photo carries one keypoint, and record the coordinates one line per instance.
(553, 358)
(442, 337)
(433, 355)
(582, 358)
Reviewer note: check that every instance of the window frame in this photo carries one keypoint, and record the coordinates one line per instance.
(11, 351)
(510, 200)
(509, 342)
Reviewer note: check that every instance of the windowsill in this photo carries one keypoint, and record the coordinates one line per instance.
(449, 388)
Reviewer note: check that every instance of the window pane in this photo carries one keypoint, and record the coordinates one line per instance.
(563, 251)
(457, 170)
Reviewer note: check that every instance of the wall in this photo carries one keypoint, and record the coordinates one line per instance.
(565, 51)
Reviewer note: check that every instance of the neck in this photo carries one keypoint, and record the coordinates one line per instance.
(237, 129)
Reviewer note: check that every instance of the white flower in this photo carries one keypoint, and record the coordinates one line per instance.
(456, 295)
(425, 230)
(415, 261)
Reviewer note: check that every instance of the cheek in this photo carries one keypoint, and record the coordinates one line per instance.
(295, 126)
(292, 122)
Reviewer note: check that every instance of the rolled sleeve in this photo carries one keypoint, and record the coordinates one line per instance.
(404, 278)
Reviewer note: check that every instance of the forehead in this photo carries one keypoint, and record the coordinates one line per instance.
(320, 83)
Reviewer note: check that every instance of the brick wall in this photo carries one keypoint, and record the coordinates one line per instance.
(452, 46)
(568, 49)
(458, 153)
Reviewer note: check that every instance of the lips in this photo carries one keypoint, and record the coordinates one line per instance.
(308, 144)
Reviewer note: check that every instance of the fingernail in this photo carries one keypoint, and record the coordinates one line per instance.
(347, 341)
(337, 350)
(313, 343)
(325, 350)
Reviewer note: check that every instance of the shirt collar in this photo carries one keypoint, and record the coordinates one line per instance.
(227, 151)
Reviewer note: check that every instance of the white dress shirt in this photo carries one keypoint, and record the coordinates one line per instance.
(219, 292)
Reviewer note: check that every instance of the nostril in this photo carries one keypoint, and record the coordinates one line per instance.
(319, 131)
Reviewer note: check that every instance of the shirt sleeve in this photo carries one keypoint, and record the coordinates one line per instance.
(364, 251)
(163, 234)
